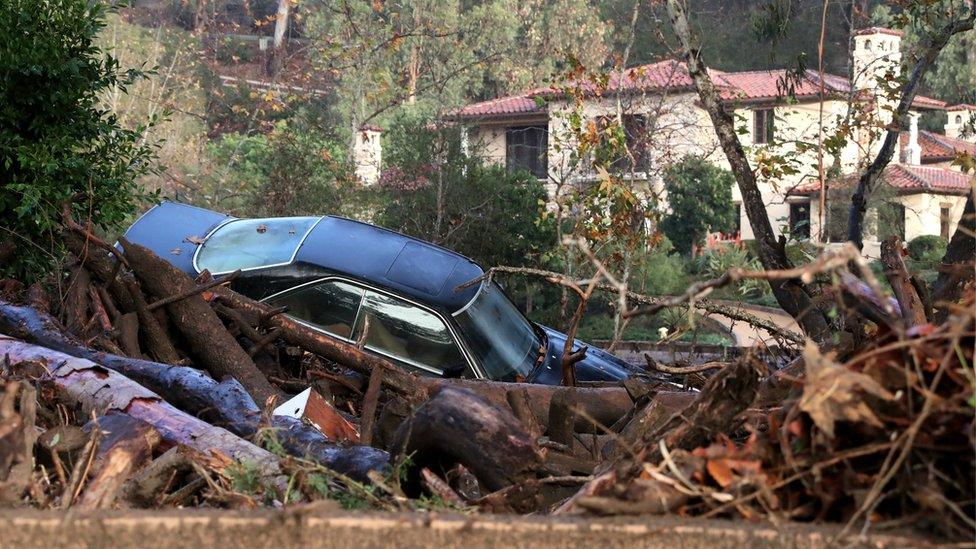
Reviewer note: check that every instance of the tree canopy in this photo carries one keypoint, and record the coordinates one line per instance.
(57, 143)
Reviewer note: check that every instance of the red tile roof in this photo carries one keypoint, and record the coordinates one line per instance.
(673, 76)
(906, 179)
(879, 30)
(939, 148)
(961, 107)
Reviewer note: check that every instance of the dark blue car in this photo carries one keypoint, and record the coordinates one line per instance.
(346, 278)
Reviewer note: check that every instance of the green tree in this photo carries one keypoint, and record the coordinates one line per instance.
(293, 170)
(699, 199)
(57, 143)
(440, 193)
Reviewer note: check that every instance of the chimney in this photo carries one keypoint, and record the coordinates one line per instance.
(877, 50)
(913, 151)
(368, 154)
(961, 122)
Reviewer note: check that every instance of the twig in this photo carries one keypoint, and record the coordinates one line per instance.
(199, 289)
(682, 370)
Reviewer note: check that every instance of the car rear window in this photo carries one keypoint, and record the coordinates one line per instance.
(253, 243)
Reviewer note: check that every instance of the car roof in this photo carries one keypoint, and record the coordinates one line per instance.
(416, 268)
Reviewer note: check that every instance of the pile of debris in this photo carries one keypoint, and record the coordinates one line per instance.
(143, 387)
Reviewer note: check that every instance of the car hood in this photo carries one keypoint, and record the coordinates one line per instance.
(598, 365)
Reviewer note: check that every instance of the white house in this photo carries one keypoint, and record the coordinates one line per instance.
(665, 121)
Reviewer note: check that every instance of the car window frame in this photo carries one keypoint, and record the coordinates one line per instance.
(291, 260)
(458, 340)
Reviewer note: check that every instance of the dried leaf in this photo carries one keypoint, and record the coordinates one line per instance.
(175, 251)
(195, 239)
(834, 393)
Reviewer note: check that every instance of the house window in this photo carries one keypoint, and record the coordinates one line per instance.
(800, 220)
(944, 221)
(763, 126)
(526, 148)
(635, 130)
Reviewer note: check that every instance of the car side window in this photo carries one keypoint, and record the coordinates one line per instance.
(409, 334)
(329, 306)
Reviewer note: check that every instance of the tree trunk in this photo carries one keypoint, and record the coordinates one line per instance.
(457, 425)
(791, 295)
(281, 26)
(212, 345)
(956, 270)
(94, 387)
(868, 182)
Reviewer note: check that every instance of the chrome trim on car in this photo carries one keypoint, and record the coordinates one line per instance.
(475, 367)
(294, 254)
(481, 286)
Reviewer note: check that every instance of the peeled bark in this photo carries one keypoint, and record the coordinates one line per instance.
(225, 404)
(212, 345)
(126, 446)
(94, 387)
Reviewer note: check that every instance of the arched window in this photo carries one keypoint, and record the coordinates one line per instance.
(867, 45)
(958, 119)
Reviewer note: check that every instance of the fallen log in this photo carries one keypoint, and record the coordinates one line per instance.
(225, 403)
(212, 345)
(458, 426)
(143, 489)
(96, 388)
(604, 405)
(125, 447)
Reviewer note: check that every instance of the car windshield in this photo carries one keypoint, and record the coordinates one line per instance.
(502, 339)
(253, 243)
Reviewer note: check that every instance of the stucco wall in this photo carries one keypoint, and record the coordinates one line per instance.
(922, 213)
(489, 142)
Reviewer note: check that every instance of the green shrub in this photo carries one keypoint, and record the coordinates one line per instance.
(232, 50)
(715, 262)
(700, 201)
(58, 144)
(927, 249)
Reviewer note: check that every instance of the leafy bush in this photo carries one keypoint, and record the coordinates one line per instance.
(715, 262)
(290, 171)
(231, 50)
(660, 271)
(57, 143)
(700, 201)
(927, 249)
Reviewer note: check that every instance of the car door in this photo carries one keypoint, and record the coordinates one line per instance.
(393, 327)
